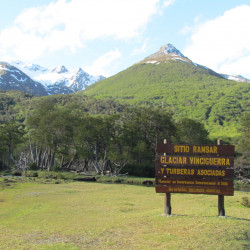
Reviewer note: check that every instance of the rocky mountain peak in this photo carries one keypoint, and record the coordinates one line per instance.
(166, 53)
(60, 69)
(36, 79)
(169, 48)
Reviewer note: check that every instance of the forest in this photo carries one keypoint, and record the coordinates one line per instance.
(183, 89)
(79, 133)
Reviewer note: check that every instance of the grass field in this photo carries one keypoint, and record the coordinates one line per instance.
(78, 215)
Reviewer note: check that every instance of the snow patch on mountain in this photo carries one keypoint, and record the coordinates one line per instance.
(58, 78)
(169, 49)
(237, 78)
(168, 53)
(11, 78)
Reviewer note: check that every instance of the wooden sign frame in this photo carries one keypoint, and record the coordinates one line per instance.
(194, 169)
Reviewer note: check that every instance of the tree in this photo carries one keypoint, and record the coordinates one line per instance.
(191, 132)
(242, 163)
(51, 131)
(137, 132)
(11, 134)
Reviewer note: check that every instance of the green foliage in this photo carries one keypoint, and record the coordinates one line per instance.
(191, 132)
(182, 88)
(11, 134)
(78, 132)
(65, 137)
(244, 144)
(32, 174)
(13, 105)
(242, 164)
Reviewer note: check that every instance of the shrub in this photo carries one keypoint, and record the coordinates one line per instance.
(245, 202)
(31, 174)
(140, 170)
(33, 166)
(55, 168)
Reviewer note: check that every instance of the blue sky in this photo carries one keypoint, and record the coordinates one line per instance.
(108, 36)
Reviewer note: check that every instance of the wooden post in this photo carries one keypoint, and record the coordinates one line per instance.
(167, 204)
(167, 198)
(221, 207)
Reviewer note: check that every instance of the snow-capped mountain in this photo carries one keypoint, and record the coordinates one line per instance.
(169, 52)
(11, 78)
(165, 53)
(38, 80)
(237, 78)
(58, 80)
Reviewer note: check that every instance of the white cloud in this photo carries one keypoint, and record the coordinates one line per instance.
(167, 3)
(197, 18)
(138, 51)
(103, 62)
(69, 24)
(223, 44)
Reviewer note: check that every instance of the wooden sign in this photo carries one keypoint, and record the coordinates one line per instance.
(195, 149)
(194, 169)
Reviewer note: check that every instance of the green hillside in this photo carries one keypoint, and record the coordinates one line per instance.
(183, 88)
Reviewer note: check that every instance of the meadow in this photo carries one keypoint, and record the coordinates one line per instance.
(84, 215)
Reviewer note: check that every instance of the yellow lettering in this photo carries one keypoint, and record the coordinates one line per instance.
(170, 160)
(223, 161)
(174, 160)
(191, 160)
(184, 160)
(162, 159)
(197, 160)
(181, 149)
(218, 162)
(202, 160)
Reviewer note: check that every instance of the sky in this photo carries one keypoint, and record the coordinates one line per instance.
(104, 37)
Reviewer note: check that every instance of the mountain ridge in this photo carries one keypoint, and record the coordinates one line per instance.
(60, 80)
(185, 88)
(11, 78)
(57, 80)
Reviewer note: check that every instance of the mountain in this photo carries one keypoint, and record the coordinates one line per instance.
(58, 80)
(172, 81)
(11, 78)
(237, 78)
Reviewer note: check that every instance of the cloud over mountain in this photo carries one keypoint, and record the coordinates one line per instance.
(227, 36)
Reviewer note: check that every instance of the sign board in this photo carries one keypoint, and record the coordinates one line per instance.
(195, 169)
